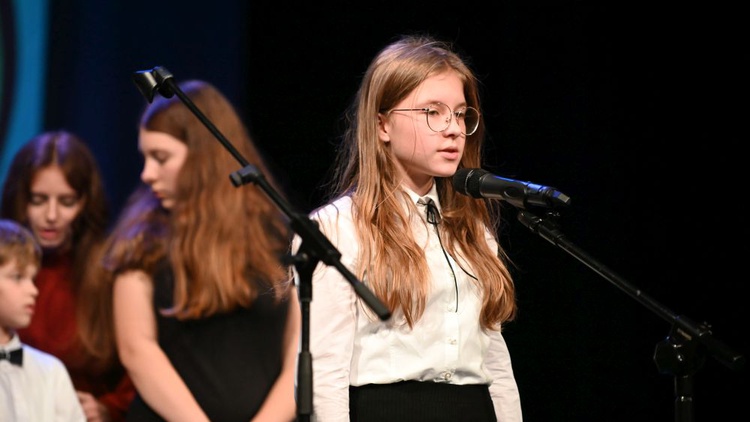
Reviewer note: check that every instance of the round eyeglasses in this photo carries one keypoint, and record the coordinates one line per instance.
(439, 117)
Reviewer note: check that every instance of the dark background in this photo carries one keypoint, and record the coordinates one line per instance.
(633, 109)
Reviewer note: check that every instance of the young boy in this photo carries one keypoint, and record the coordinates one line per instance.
(34, 385)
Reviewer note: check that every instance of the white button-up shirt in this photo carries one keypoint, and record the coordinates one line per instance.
(349, 346)
(38, 391)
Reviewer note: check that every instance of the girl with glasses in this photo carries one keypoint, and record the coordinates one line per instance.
(430, 254)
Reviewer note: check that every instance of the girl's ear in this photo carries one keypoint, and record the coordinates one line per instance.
(383, 127)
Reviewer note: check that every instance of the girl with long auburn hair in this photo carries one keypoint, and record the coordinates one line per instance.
(205, 313)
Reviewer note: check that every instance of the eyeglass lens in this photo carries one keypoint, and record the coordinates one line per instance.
(440, 115)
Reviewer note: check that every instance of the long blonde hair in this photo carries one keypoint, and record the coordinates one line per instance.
(225, 244)
(393, 262)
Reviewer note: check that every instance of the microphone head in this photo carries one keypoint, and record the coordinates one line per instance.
(146, 83)
(468, 181)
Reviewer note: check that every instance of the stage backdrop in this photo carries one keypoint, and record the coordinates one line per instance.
(23, 60)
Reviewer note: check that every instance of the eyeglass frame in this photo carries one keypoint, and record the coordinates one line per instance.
(450, 118)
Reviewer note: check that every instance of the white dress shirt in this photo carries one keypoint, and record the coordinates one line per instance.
(38, 391)
(447, 345)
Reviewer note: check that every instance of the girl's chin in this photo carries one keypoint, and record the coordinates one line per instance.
(56, 248)
(166, 203)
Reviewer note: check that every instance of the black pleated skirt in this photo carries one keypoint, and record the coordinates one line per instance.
(414, 401)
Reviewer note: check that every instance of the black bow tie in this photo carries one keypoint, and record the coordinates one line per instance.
(14, 356)
(433, 215)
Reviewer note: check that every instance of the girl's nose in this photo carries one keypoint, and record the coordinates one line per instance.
(52, 211)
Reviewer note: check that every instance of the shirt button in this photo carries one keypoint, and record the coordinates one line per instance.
(448, 376)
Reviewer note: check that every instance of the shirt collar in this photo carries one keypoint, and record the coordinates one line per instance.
(432, 194)
(15, 343)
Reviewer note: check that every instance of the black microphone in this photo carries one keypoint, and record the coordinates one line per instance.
(152, 80)
(479, 183)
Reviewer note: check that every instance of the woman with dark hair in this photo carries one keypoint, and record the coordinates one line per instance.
(54, 188)
(206, 315)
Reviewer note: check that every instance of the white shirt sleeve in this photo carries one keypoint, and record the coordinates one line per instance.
(504, 390)
(67, 406)
(332, 324)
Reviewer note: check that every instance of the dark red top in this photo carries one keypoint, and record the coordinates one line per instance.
(53, 329)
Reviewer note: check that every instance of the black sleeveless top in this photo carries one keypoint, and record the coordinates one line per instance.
(228, 361)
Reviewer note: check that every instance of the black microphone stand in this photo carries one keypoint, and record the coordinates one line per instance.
(314, 248)
(682, 353)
